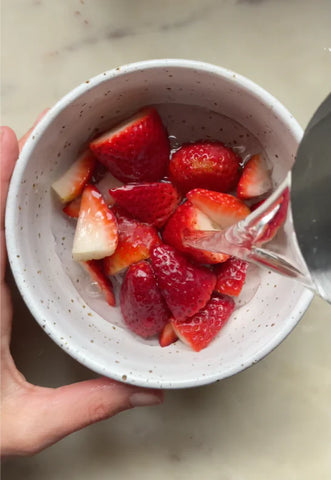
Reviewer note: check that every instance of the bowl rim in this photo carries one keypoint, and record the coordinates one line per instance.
(29, 298)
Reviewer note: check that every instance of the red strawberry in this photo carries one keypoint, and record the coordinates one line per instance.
(73, 181)
(96, 231)
(143, 307)
(199, 330)
(206, 165)
(152, 203)
(95, 269)
(72, 208)
(185, 287)
(221, 208)
(167, 336)
(189, 218)
(231, 276)
(137, 150)
(255, 179)
(272, 227)
(135, 241)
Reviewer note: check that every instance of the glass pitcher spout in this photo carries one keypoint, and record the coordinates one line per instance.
(266, 238)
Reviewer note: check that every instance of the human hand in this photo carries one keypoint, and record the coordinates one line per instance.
(34, 417)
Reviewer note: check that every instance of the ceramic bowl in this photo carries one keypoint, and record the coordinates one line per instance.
(39, 238)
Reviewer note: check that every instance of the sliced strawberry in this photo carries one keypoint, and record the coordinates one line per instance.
(221, 208)
(272, 227)
(143, 307)
(96, 231)
(199, 330)
(107, 182)
(95, 269)
(73, 181)
(255, 179)
(231, 276)
(185, 287)
(135, 242)
(167, 336)
(188, 218)
(209, 165)
(152, 203)
(103, 185)
(137, 150)
(72, 208)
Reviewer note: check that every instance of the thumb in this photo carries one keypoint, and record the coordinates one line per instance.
(59, 412)
(8, 157)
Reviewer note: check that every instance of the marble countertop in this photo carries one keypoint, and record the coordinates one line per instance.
(271, 421)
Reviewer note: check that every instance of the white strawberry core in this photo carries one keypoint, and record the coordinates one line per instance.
(262, 183)
(93, 240)
(204, 222)
(105, 184)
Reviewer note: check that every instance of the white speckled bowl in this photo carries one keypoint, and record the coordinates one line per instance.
(34, 224)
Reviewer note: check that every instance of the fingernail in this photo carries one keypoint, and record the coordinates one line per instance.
(143, 399)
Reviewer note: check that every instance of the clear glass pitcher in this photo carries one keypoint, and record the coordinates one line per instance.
(292, 238)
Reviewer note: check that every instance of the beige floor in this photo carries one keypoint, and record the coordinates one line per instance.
(272, 421)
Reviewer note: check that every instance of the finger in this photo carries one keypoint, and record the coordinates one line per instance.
(81, 404)
(45, 415)
(8, 157)
(22, 140)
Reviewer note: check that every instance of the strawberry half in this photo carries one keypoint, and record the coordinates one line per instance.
(137, 150)
(143, 307)
(135, 242)
(199, 330)
(255, 179)
(221, 208)
(95, 269)
(209, 165)
(185, 287)
(188, 218)
(231, 276)
(152, 203)
(96, 231)
(72, 208)
(73, 181)
(168, 335)
(272, 227)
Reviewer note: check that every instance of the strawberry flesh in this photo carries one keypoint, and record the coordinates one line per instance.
(95, 269)
(272, 227)
(72, 208)
(143, 307)
(185, 287)
(96, 231)
(199, 330)
(168, 335)
(104, 184)
(222, 208)
(188, 218)
(209, 165)
(152, 203)
(71, 184)
(135, 242)
(255, 179)
(137, 150)
(231, 276)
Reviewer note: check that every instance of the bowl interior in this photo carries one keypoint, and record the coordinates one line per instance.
(39, 237)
